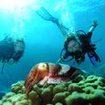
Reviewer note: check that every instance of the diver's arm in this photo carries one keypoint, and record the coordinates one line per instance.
(91, 29)
(93, 26)
(64, 57)
(63, 29)
(61, 59)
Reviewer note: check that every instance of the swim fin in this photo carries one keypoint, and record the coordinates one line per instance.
(42, 12)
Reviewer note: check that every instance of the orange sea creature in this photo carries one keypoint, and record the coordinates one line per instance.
(50, 73)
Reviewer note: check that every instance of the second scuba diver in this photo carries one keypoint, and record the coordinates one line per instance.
(77, 44)
(11, 50)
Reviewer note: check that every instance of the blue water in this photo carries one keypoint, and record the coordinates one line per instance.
(43, 39)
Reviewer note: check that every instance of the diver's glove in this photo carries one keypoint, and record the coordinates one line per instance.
(94, 24)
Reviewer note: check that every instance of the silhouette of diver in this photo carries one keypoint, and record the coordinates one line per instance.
(77, 44)
(11, 50)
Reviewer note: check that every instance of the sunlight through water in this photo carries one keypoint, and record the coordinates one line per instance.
(12, 5)
(19, 11)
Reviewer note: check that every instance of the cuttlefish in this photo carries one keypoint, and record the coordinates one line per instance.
(50, 73)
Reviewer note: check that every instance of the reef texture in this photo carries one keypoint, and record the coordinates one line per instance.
(88, 90)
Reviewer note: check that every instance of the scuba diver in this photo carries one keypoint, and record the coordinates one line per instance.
(77, 44)
(11, 50)
(80, 44)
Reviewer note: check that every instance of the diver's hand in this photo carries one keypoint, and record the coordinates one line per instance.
(94, 24)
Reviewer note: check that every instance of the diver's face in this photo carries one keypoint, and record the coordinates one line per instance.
(74, 46)
(19, 46)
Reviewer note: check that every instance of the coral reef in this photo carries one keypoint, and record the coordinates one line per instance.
(89, 90)
(2, 94)
(17, 95)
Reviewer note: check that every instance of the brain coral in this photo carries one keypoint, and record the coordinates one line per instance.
(88, 91)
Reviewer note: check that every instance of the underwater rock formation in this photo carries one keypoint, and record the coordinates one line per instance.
(88, 90)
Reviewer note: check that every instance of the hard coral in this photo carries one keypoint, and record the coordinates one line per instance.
(71, 88)
(85, 92)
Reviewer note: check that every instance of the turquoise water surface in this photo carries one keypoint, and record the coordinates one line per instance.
(43, 39)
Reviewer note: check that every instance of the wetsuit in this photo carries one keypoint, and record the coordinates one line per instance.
(87, 47)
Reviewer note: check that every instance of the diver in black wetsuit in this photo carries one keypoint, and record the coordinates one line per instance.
(6, 49)
(11, 50)
(78, 44)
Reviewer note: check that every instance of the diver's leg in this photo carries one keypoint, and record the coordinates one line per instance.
(92, 55)
(42, 12)
(97, 58)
